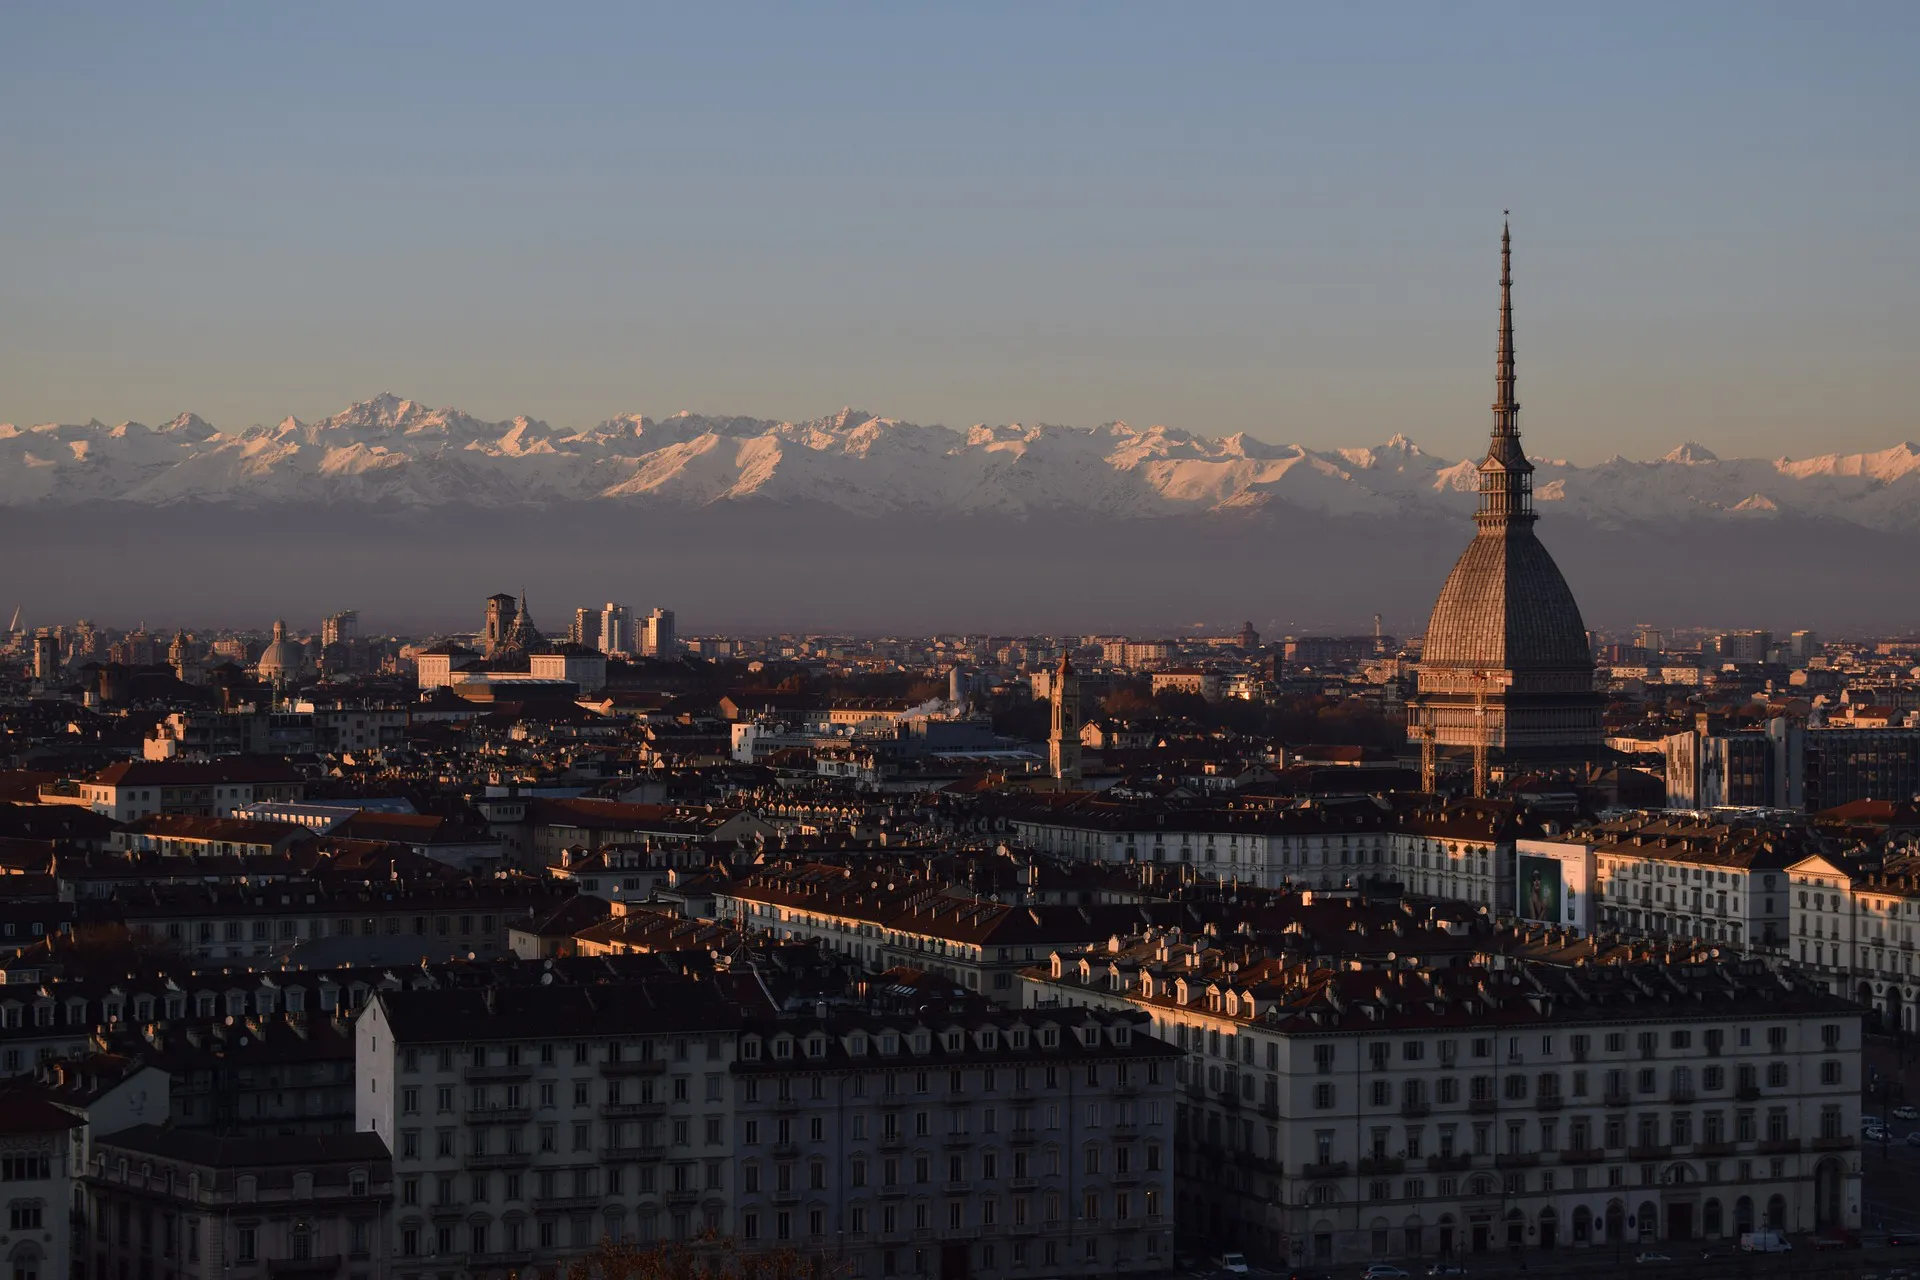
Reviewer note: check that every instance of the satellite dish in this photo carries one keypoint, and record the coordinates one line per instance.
(546, 979)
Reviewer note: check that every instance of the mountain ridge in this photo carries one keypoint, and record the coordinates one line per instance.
(392, 450)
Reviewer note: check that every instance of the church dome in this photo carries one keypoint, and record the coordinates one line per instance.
(281, 659)
(1505, 606)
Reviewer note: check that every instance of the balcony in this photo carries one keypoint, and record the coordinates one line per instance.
(1125, 1177)
(1582, 1155)
(1548, 1102)
(1125, 1090)
(1650, 1151)
(499, 1115)
(1330, 1169)
(1370, 1165)
(957, 1140)
(1483, 1106)
(892, 1141)
(633, 1153)
(682, 1195)
(1450, 1164)
(785, 1197)
(1680, 1094)
(501, 1160)
(1780, 1147)
(634, 1067)
(502, 1258)
(1230, 1099)
(1831, 1144)
(563, 1203)
(325, 1266)
(1022, 1138)
(892, 1191)
(1271, 1110)
(1414, 1108)
(1023, 1184)
(1747, 1092)
(959, 1188)
(1708, 1149)
(1125, 1132)
(1616, 1098)
(785, 1150)
(483, 1075)
(1517, 1160)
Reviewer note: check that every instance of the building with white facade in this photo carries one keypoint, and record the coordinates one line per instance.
(1433, 1107)
(1855, 931)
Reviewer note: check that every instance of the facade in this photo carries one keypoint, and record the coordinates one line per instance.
(1505, 671)
(201, 1206)
(984, 1145)
(1463, 850)
(216, 789)
(616, 629)
(1339, 1116)
(529, 1123)
(43, 1150)
(1665, 878)
(1854, 931)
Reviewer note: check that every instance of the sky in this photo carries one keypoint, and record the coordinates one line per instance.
(1279, 219)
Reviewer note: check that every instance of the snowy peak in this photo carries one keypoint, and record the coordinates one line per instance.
(392, 450)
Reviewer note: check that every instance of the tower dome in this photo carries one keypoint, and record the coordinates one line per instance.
(1505, 668)
(281, 660)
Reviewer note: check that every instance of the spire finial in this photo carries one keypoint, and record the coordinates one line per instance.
(1506, 482)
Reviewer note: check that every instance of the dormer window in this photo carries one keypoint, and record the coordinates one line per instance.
(890, 1043)
(1049, 1037)
(989, 1039)
(922, 1042)
(1017, 1038)
(857, 1046)
(750, 1050)
(1123, 1035)
(954, 1041)
(783, 1048)
(816, 1046)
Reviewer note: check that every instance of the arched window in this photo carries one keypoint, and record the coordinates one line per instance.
(302, 1241)
(1710, 1219)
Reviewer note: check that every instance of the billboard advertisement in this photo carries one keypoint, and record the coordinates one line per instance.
(1552, 884)
(1542, 890)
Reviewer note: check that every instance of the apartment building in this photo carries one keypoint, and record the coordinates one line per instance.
(214, 789)
(527, 1123)
(1661, 876)
(985, 1143)
(1463, 850)
(1854, 931)
(888, 919)
(195, 1206)
(235, 921)
(1334, 1114)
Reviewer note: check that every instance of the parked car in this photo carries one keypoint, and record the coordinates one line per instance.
(1234, 1262)
(1446, 1269)
(1383, 1271)
(1836, 1238)
(1648, 1257)
(1765, 1242)
(1906, 1113)
(1913, 1139)
(1902, 1240)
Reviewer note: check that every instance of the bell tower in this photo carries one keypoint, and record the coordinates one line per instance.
(1063, 744)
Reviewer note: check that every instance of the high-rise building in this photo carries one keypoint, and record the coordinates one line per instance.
(616, 628)
(1506, 671)
(339, 628)
(1801, 647)
(1652, 639)
(1742, 648)
(46, 657)
(585, 630)
(659, 640)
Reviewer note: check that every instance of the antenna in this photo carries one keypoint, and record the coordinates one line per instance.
(1479, 734)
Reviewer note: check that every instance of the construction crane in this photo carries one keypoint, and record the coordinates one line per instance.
(13, 628)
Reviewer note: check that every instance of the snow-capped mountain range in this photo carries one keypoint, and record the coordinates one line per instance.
(393, 451)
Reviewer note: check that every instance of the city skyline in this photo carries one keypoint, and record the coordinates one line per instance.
(1240, 221)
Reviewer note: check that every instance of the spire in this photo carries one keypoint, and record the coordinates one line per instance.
(1506, 477)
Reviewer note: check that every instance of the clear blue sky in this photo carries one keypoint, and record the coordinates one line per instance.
(1273, 218)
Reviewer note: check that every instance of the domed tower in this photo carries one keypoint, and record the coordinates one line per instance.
(1505, 673)
(281, 662)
